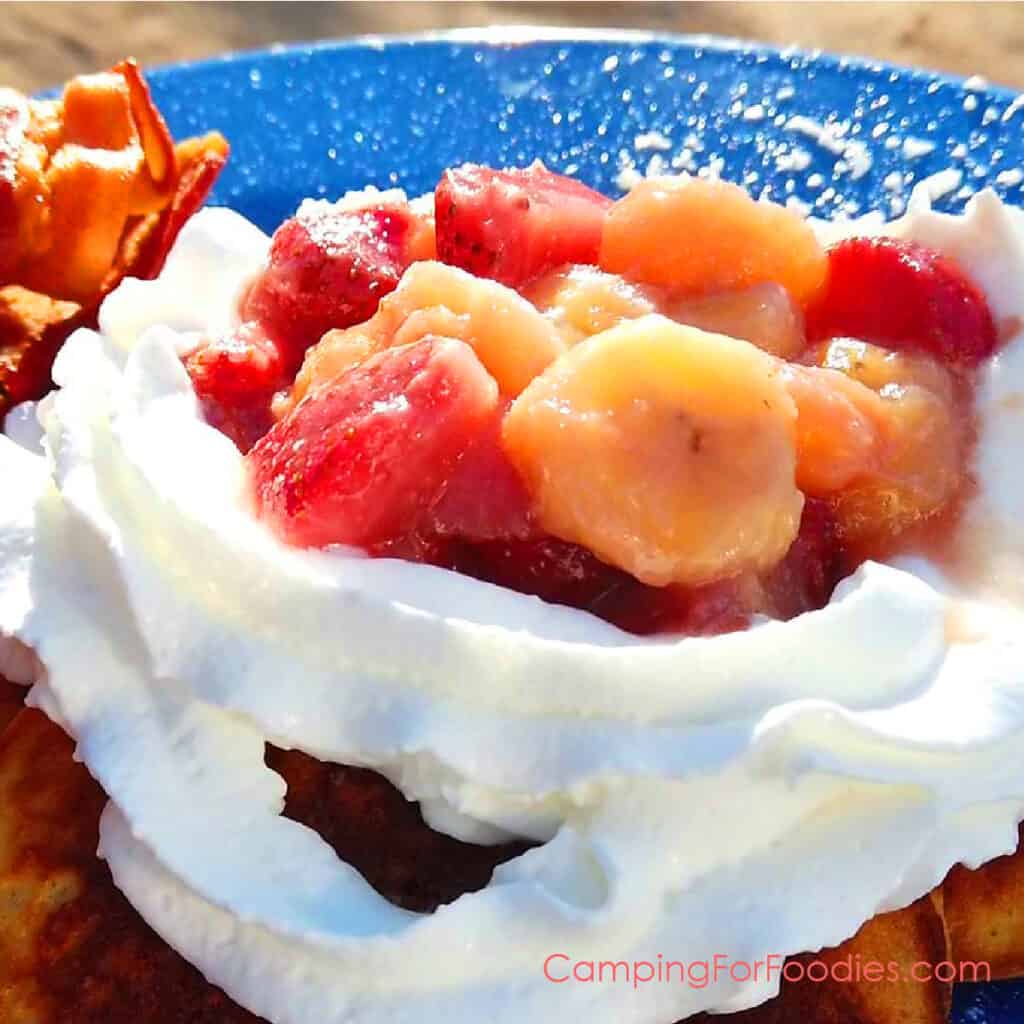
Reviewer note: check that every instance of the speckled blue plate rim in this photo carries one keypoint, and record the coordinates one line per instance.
(525, 35)
(320, 118)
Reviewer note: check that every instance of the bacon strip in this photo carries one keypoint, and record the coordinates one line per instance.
(92, 189)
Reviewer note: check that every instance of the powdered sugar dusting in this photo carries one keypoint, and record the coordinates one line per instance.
(833, 136)
(793, 160)
(810, 156)
(652, 140)
(914, 147)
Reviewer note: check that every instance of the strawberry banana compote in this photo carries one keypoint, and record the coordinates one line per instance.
(678, 535)
(677, 411)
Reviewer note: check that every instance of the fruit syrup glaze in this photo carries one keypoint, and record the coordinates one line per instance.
(417, 382)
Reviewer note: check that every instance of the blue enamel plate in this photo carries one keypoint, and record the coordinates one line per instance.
(838, 136)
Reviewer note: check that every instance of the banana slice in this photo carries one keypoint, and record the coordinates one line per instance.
(921, 422)
(668, 451)
(696, 236)
(763, 314)
(511, 338)
(583, 301)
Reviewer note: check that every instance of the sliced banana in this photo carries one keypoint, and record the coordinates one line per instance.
(668, 451)
(511, 338)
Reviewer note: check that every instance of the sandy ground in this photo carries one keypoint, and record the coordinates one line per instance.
(42, 44)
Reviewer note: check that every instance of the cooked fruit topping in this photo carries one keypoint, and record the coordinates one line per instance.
(919, 459)
(838, 428)
(803, 581)
(552, 569)
(667, 451)
(336, 353)
(695, 236)
(235, 378)
(903, 296)
(509, 336)
(361, 458)
(581, 301)
(330, 265)
(763, 314)
(516, 224)
(706, 610)
(485, 498)
(881, 434)
(680, 439)
(805, 578)
(879, 368)
(512, 339)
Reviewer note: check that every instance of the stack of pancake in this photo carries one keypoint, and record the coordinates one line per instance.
(73, 950)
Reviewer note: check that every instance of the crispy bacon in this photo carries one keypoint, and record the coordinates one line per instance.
(146, 243)
(92, 189)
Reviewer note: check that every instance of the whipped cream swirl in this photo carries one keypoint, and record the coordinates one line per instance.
(761, 792)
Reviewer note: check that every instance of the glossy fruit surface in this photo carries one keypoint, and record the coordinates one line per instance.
(903, 296)
(330, 266)
(695, 236)
(360, 460)
(667, 451)
(514, 225)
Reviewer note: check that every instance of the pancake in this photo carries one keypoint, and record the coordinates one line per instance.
(984, 912)
(902, 938)
(74, 951)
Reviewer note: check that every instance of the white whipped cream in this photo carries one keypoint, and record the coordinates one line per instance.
(760, 792)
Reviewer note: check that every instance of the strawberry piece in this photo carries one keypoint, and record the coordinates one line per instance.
(359, 460)
(801, 582)
(708, 610)
(485, 498)
(564, 573)
(330, 267)
(514, 225)
(235, 378)
(552, 569)
(804, 580)
(903, 296)
(430, 549)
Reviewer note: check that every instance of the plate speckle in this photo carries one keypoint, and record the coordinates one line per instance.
(832, 135)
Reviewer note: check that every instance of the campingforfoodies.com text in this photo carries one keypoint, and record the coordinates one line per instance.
(563, 969)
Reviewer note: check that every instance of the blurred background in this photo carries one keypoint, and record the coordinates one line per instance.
(42, 44)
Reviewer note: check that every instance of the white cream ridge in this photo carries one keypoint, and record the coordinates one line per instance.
(760, 792)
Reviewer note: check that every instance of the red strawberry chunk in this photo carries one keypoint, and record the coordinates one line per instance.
(552, 569)
(803, 581)
(485, 498)
(564, 573)
(514, 225)
(330, 267)
(905, 297)
(359, 460)
(709, 610)
(235, 378)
